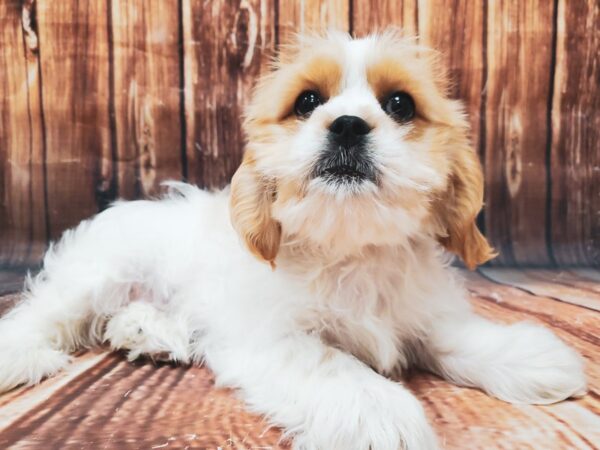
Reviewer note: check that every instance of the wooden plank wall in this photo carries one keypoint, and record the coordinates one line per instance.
(105, 98)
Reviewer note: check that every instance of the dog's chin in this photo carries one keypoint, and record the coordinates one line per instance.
(345, 216)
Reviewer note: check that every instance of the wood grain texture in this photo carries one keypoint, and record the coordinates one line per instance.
(91, 106)
(560, 285)
(107, 402)
(73, 42)
(11, 281)
(226, 45)
(19, 401)
(22, 196)
(7, 301)
(146, 94)
(519, 61)
(456, 29)
(580, 327)
(306, 16)
(575, 152)
(369, 16)
(162, 406)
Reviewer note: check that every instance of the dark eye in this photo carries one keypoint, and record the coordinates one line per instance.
(306, 103)
(400, 106)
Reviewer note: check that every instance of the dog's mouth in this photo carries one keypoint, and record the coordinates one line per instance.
(345, 166)
(351, 173)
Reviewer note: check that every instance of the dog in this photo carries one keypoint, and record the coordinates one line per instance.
(323, 269)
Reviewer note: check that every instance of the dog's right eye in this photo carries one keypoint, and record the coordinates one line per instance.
(306, 103)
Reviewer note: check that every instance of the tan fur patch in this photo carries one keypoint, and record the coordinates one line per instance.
(251, 199)
(457, 207)
(440, 121)
(316, 70)
(388, 75)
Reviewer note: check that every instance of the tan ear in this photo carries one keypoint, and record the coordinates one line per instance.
(458, 207)
(250, 209)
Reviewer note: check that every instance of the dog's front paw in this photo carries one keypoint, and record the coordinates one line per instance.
(539, 369)
(378, 416)
(144, 330)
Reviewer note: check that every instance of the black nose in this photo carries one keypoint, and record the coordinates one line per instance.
(348, 130)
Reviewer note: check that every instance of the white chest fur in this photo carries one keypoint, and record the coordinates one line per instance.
(365, 305)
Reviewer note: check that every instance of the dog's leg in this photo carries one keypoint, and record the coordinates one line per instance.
(519, 363)
(26, 352)
(325, 399)
(144, 330)
(37, 335)
(61, 310)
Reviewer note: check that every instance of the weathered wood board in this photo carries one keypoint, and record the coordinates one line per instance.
(73, 47)
(103, 401)
(575, 150)
(369, 16)
(456, 30)
(23, 209)
(519, 60)
(225, 47)
(146, 82)
(306, 16)
(107, 98)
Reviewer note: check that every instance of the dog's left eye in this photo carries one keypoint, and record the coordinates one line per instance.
(400, 106)
(306, 103)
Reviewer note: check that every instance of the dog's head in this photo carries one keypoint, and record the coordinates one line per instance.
(354, 142)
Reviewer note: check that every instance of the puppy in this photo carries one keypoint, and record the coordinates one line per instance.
(321, 271)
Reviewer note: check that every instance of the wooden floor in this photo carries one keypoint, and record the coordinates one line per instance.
(103, 401)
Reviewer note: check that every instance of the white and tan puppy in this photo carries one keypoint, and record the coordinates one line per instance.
(322, 270)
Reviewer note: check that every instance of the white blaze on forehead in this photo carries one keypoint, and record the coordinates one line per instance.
(355, 64)
(356, 97)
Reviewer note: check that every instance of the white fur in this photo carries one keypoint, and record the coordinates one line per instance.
(308, 344)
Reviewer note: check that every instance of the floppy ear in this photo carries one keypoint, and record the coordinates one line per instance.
(459, 205)
(250, 209)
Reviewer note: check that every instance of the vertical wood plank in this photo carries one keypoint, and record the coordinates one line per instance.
(145, 39)
(75, 68)
(312, 16)
(575, 151)
(60, 76)
(519, 61)
(456, 28)
(226, 45)
(370, 16)
(22, 205)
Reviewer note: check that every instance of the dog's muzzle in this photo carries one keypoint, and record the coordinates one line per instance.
(346, 159)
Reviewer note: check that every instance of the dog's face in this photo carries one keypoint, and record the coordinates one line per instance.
(354, 143)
